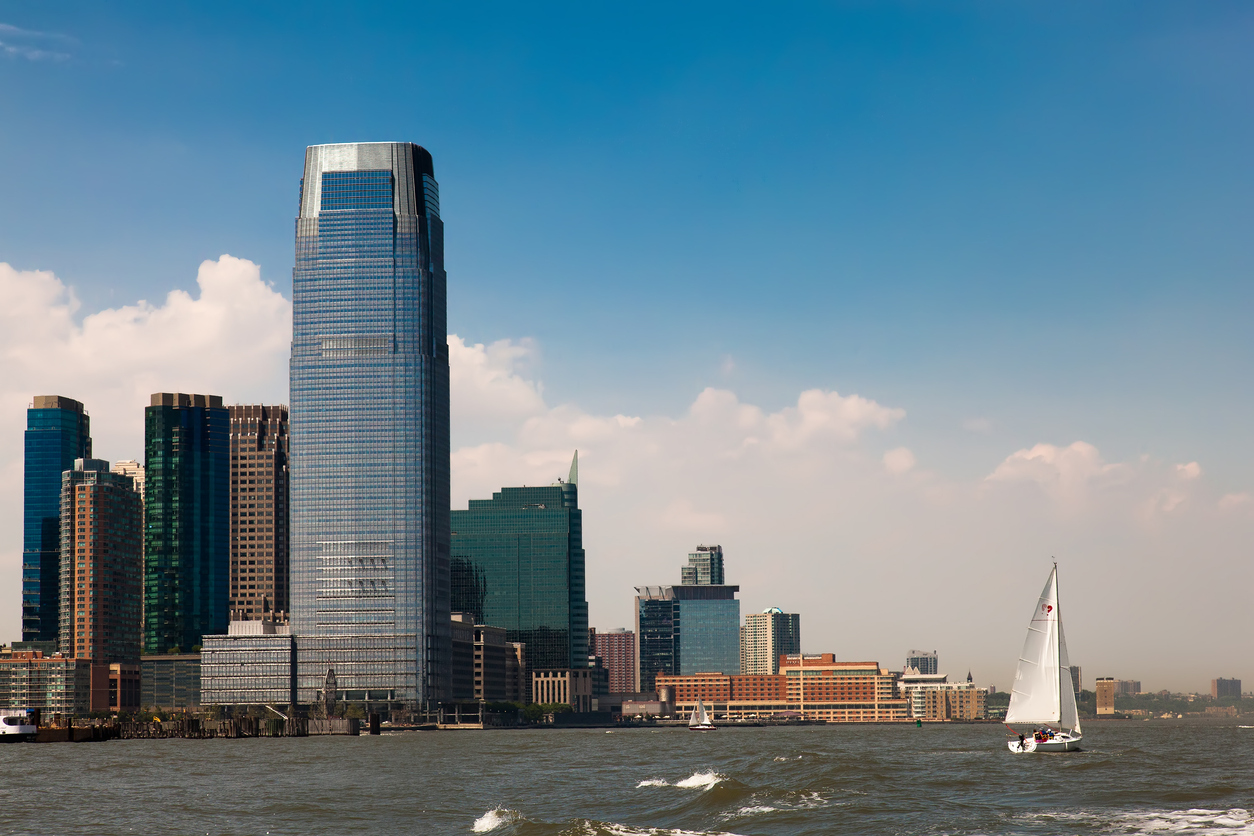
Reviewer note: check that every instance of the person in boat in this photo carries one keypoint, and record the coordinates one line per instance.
(1023, 743)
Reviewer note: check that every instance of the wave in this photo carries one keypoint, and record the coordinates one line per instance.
(695, 781)
(1233, 822)
(598, 828)
(498, 817)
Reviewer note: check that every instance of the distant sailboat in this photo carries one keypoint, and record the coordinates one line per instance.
(1043, 696)
(700, 721)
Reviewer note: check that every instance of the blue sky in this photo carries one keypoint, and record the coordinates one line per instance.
(1021, 222)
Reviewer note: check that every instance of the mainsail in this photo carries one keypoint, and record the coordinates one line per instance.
(1042, 692)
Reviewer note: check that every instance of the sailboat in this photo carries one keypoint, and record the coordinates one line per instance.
(700, 720)
(1043, 697)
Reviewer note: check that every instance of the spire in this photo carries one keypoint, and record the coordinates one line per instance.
(573, 478)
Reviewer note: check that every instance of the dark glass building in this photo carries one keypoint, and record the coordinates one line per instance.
(58, 431)
(369, 427)
(519, 564)
(187, 520)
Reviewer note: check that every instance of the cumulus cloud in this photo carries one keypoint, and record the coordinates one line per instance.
(898, 460)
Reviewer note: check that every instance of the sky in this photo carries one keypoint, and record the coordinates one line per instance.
(898, 302)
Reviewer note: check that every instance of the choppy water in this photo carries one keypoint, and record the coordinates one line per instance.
(1133, 778)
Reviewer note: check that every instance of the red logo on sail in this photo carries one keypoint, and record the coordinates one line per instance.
(1047, 608)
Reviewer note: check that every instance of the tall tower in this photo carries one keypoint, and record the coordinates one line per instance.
(765, 637)
(370, 426)
(58, 431)
(187, 523)
(259, 520)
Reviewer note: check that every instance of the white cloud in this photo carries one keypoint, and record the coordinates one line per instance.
(1189, 471)
(898, 460)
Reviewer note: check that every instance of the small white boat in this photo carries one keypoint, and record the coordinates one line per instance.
(1043, 696)
(700, 720)
(16, 726)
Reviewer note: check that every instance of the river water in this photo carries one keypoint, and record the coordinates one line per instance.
(1157, 777)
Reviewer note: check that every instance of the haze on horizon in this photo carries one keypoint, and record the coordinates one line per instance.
(895, 303)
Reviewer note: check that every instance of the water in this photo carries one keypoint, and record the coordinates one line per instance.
(1134, 777)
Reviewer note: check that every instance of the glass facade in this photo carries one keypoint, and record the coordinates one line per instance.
(58, 431)
(519, 565)
(708, 635)
(369, 425)
(187, 522)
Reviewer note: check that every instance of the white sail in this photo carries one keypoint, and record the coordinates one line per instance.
(699, 717)
(1036, 695)
(1068, 717)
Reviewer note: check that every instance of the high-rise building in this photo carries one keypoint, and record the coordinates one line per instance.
(58, 431)
(1076, 681)
(705, 566)
(133, 469)
(370, 426)
(765, 637)
(1105, 688)
(102, 564)
(1225, 688)
(187, 523)
(922, 661)
(617, 650)
(259, 502)
(518, 563)
(688, 628)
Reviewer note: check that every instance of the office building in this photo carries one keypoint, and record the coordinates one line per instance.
(462, 656)
(563, 687)
(516, 689)
(765, 637)
(102, 564)
(259, 502)
(492, 653)
(133, 469)
(518, 563)
(187, 523)
(922, 661)
(54, 684)
(253, 664)
(370, 426)
(617, 650)
(1225, 688)
(705, 567)
(688, 628)
(1077, 683)
(1105, 688)
(170, 680)
(58, 431)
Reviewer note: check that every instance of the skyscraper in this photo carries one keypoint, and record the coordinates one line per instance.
(765, 637)
(58, 431)
(187, 523)
(705, 566)
(519, 564)
(923, 661)
(102, 564)
(259, 502)
(370, 426)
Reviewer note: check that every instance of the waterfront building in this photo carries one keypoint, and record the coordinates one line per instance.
(462, 656)
(102, 564)
(259, 503)
(617, 650)
(1076, 680)
(54, 684)
(518, 563)
(1224, 688)
(516, 689)
(828, 690)
(169, 680)
(571, 687)
(765, 637)
(493, 651)
(1105, 695)
(253, 664)
(187, 520)
(705, 566)
(923, 661)
(931, 696)
(58, 431)
(370, 426)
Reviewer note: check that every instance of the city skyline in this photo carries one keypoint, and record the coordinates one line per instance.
(986, 316)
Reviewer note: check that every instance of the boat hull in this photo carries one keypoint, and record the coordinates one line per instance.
(1060, 743)
(702, 728)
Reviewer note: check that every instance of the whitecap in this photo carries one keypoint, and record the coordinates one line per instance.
(700, 781)
(652, 782)
(498, 817)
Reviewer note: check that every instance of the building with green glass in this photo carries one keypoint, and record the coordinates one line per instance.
(518, 563)
(187, 521)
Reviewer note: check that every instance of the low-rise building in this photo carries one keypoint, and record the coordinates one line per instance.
(1105, 695)
(170, 680)
(491, 659)
(960, 702)
(571, 687)
(253, 664)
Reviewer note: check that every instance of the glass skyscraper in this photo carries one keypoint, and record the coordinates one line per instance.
(518, 563)
(187, 520)
(369, 425)
(58, 431)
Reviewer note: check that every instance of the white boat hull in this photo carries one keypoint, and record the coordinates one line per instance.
(702, 728)
(1059, 743)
